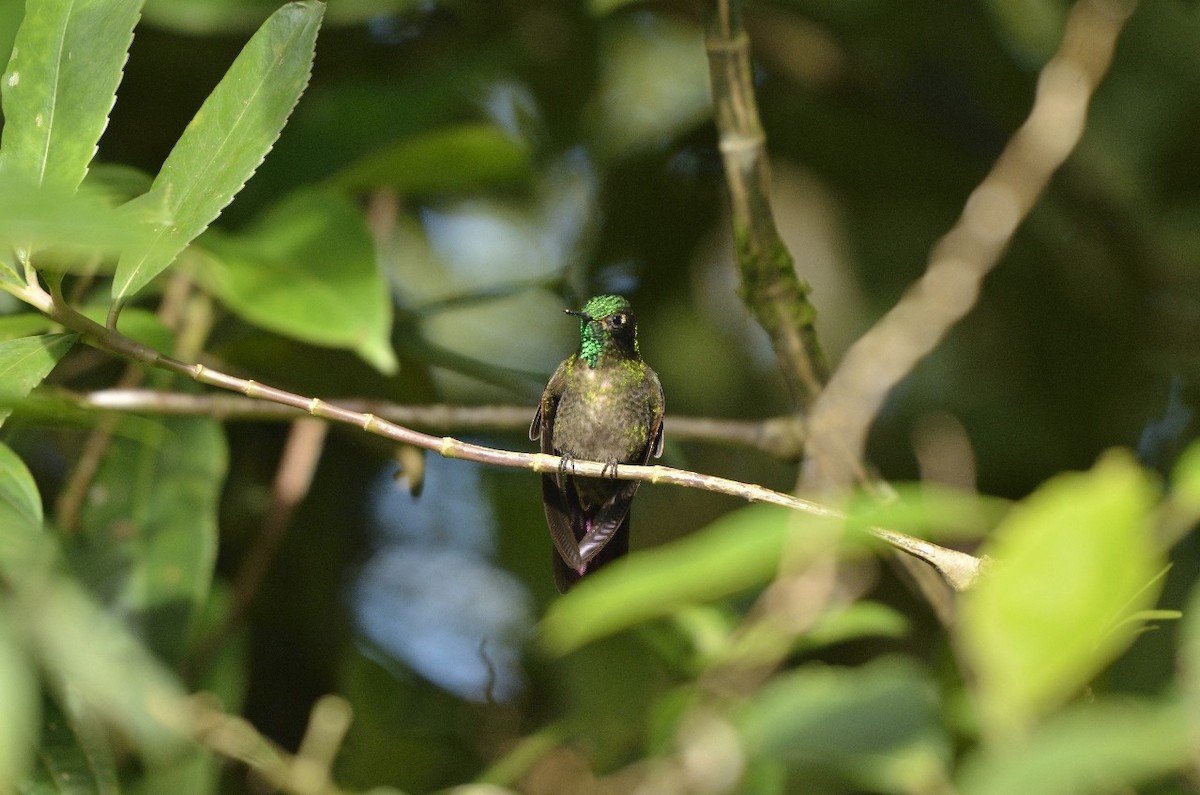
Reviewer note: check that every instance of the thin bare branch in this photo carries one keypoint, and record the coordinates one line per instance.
(770, 286)
(232, 737)
(842, 415)
(782, 437)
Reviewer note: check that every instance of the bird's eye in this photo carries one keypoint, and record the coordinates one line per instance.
(619, 320)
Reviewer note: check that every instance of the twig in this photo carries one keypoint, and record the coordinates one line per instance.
(110, 340)
(842, 415)
(232, 737)
(782, 437)
(770, 286)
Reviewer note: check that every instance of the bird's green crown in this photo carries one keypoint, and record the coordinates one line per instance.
(606, 322)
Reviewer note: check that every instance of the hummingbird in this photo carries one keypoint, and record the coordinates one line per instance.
(605, 404)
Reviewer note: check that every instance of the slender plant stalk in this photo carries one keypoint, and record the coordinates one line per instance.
(781, 437)
(770, 287)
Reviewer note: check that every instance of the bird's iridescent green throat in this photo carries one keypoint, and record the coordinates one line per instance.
(605, 322)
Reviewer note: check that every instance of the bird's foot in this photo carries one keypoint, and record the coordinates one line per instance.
(565, 461)
(609, 470)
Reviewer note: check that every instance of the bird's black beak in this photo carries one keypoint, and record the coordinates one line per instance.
(579, 313)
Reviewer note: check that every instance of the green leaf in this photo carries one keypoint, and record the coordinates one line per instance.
(1185, 484)
(60, 85)
(73, 758)
(20, 503)
(149, 537)
(877, 724)
(21, 537)
(8, 271)
(109, 674)
(734, 553)
(307, 269)
(79, 223)
(1068, 566)
(856, 620)
(25, 362)
(23, 324)
(927, 510)
(201, 17)
(226, 141)
(1189, 658)
(1106, 746)
(468, 156)
(18, 707)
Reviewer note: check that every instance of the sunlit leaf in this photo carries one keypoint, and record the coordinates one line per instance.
(1068, 566)
(1185, 482)
(23, 324)
(1107, 746)
(18, 706)
(25, 362)
(150, 526)
(60, 85)
(80, 224)
(73, 758)
(20, 503)
(877, 724)
(226, 140)
(235, 16)
(928, 511)
(469, 156)
(110, 675)
(1189, 658)
(857, 620)
(738, 551)
(8, 270)
(307, 270)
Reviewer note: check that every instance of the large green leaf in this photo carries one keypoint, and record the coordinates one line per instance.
(226, 141)
(149, 536)
(60, 85)
(74, 222)
(1185, 485)
(91, 656)
(18, 706)
(736, 552)
(73, 758)
(23, 324)
(877, 725)
(1189, 659)
(234, 16)
(25, 362)
(467, 156)
(20, 503)
(307, 270)
(1107, 746)
(1070, 567)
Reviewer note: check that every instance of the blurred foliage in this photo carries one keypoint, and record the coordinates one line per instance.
(440, 179)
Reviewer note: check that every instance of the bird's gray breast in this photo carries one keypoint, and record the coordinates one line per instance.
(605, 415)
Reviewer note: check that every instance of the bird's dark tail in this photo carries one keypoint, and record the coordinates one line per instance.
(618, 546)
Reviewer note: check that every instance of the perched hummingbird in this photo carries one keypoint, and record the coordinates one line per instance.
(602, 404)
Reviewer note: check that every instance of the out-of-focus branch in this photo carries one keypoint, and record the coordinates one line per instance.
(770, 286)
(782, 437)
(841, 417)
(305, 773)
